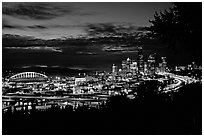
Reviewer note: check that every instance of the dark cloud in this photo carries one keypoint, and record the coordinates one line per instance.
(36, 10)
(101, 27)
(67, 26)
(7, 25)
(37, 27)
(111, 28)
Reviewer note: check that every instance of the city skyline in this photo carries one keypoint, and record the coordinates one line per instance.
(101, 68)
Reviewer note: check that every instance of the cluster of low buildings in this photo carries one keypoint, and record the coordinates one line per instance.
(192, 66)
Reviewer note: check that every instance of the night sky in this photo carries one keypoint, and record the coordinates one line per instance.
(60, 20)
(55, 20)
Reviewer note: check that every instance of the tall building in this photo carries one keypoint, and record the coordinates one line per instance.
(140, 59)
(151, 64)
(128, 62)
(114, 69)
(145, 68)
(163, 64)
(133, 67)
(126, 65)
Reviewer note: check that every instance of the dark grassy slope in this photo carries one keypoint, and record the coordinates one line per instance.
(152, 114)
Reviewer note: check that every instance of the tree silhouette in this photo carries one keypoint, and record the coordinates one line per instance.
(180, 27)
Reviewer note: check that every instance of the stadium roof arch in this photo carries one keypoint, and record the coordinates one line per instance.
(28, 77)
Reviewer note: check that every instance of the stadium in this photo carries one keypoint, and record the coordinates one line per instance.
(28, 77)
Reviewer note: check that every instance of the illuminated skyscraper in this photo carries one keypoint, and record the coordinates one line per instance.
(163, 64)
(140, 59)
(151, 64)
(159, 68)
(129, 61)
(133, 67)
(114, 69)
(126, 65)
(145, 68)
